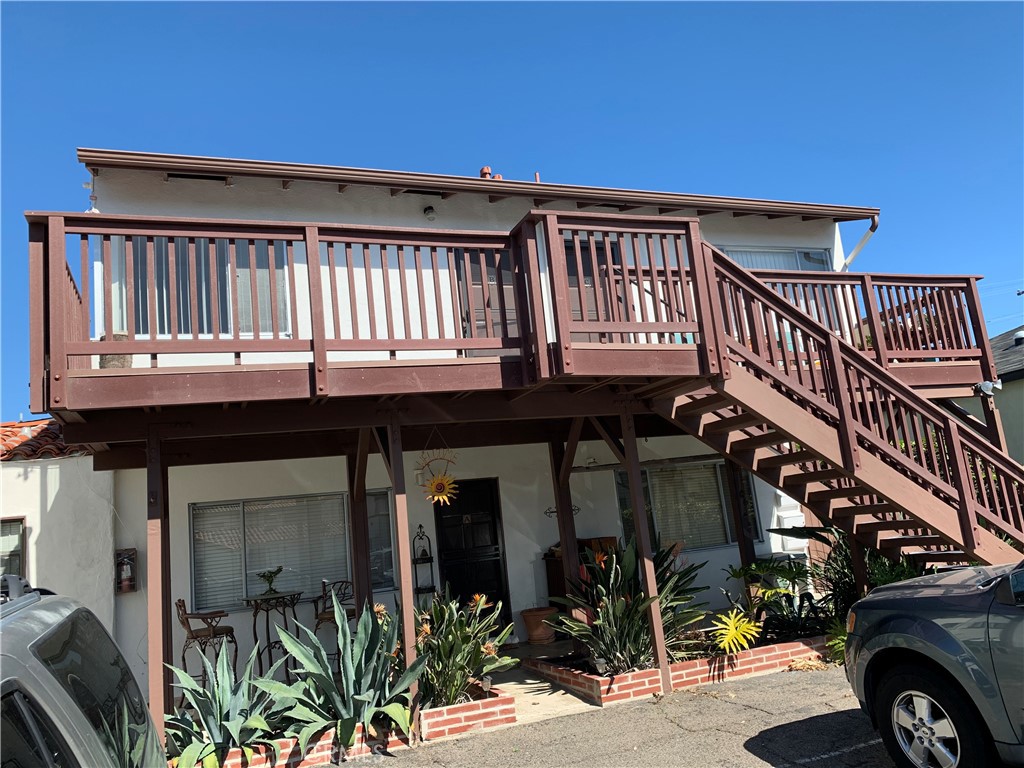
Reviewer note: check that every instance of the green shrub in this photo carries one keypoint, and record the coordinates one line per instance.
(617, 634)
(459, 645)
(368, 687)
(835, 641)
(227, 713)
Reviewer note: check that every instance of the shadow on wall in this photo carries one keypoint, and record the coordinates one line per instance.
(73, 547)
(837, 740)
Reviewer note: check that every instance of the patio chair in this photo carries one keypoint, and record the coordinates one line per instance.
(210, 634)
(323, 607)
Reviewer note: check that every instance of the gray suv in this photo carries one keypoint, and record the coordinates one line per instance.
(67, 697)
(938, 664)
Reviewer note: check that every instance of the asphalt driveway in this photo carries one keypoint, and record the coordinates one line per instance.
(792, 719)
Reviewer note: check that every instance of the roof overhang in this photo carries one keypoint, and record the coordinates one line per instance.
(496, 189)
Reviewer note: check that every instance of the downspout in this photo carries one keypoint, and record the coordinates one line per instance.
(861, 244)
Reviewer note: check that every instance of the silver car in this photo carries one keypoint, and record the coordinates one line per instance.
(67, 697)
(938, 664)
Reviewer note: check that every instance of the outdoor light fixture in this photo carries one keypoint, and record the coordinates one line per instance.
(988, 388)
(430, 213)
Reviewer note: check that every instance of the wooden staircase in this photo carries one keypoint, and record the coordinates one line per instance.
(819, 420)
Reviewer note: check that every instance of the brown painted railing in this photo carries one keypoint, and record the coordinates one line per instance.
(892, 317)
(871, 409)
(616, 282)
(174, 292)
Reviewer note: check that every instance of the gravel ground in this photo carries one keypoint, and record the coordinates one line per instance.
(793, 719)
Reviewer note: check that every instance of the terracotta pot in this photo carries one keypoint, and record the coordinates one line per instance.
(537, 632)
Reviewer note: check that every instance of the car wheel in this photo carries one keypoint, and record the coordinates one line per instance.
(924, 723)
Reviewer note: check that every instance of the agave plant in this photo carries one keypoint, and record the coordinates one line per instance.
(367, 687)
(459, 644)
(229, 713)
(734, 631)
(610, 593)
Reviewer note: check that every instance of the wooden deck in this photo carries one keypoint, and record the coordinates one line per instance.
(132, 312)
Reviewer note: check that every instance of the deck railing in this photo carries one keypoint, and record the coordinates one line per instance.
(904, 318)
(199, 295)
(128, 292)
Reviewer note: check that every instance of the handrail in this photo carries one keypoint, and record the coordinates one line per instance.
(950, 456)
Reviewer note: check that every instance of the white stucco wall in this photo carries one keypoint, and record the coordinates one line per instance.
(525, 492)
(146, 193)
(69, 519)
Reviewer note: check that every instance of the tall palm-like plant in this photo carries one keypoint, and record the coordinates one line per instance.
(368, 686)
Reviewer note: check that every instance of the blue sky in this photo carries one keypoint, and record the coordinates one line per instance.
(914, 108)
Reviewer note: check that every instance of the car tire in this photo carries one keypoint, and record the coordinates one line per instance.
(926, 722)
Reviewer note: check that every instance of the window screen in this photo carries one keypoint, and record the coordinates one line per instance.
(12, 543)
(305, 535)
(687, 504)
(382, 568)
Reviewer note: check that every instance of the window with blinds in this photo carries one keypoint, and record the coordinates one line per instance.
(232, 542)
(12, 546)
(686, 504)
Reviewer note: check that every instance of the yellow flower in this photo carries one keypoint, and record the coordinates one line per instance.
(489, 649)
(424, 631)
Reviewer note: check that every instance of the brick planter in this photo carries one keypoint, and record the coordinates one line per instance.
(685, 674)
(319, 753)
(496, 708)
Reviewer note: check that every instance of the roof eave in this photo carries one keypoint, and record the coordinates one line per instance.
(97, 159)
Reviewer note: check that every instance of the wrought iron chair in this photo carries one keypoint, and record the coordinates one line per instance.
(323, 607)
(210, 633)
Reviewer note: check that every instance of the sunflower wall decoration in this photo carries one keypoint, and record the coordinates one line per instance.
(440, 485)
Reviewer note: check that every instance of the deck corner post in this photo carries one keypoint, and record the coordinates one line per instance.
(403, 545)
(158, 580)
(561, 456)
(645, 547)
(356, 470)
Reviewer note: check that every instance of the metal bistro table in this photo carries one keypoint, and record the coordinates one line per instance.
(268, 603)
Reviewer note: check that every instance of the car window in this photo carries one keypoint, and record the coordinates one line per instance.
(85, 661)
(29, 739)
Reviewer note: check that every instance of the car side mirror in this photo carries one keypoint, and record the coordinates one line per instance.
(1017, 586)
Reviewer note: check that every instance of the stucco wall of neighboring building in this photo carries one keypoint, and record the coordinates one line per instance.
(69, 519)
(1010, 402)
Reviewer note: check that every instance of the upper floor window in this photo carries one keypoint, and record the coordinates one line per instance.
(781, 258)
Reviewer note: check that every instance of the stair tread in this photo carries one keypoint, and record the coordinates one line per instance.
(783, 459)
(730, 423)
(814, 476)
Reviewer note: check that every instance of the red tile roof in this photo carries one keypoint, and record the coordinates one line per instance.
(39, 439)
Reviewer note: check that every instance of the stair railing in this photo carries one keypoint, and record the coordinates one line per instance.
(871, 408)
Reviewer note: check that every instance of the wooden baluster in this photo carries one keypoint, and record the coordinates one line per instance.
(316, 312)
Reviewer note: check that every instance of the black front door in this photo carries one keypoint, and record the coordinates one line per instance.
(471, 550)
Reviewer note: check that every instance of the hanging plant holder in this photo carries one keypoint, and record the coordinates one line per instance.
(439, 486)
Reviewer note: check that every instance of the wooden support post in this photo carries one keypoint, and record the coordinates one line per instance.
(993, 424)
(158, 582)
(860, 565)
(839, 384)
(403, 545)
(645, 550)
(733, 478)
(561, 466)
(362, 580)
(969, 532)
